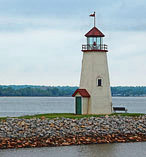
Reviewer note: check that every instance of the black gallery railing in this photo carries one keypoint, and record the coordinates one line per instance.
(94, 47)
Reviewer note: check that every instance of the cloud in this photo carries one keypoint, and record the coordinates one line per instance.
(127, 58)
(53, 57)
(44, 55)
(41, 40)
(16, 24)
(111, 15)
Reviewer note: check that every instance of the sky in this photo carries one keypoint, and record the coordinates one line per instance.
(40, 40)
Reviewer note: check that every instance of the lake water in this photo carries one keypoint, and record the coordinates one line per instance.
(18, 106)
(98, 150)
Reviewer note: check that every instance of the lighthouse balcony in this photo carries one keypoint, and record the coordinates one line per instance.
(100, 47)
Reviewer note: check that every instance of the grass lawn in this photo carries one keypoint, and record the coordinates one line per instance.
(70, 115)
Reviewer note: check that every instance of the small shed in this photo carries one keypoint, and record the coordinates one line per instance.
(82, 98)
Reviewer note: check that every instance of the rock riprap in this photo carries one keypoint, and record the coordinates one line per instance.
(18, 133)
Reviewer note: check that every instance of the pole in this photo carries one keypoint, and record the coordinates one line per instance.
(94, 19)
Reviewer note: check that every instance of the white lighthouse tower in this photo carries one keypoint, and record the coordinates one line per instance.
(94, 94)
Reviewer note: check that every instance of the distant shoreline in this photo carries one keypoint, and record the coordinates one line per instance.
(65, 96)
(65, 91)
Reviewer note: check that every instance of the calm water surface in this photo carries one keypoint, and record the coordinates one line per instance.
(98, 150)
(18, 106)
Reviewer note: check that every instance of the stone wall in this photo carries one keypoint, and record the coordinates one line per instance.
(18, 133)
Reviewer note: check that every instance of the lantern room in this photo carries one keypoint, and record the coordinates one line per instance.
(94, 41)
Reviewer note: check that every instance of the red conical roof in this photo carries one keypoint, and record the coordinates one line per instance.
(94, 32)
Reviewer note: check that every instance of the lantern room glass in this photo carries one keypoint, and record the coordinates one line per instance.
(92, 40)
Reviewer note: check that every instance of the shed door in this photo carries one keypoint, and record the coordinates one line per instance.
(78, 105)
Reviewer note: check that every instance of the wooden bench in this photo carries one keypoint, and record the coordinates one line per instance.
(119, 109)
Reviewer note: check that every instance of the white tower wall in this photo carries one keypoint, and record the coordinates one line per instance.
(94, 66)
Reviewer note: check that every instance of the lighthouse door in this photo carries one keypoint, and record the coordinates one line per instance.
(78, 105)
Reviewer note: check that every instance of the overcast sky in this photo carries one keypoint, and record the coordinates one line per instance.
(40, 40)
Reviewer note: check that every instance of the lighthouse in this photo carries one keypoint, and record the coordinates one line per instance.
(94, 93)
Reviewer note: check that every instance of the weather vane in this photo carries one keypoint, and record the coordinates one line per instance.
(93, 15)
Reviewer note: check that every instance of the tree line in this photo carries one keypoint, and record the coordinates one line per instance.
(128, 91)
(36, 91)
(53, 91)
